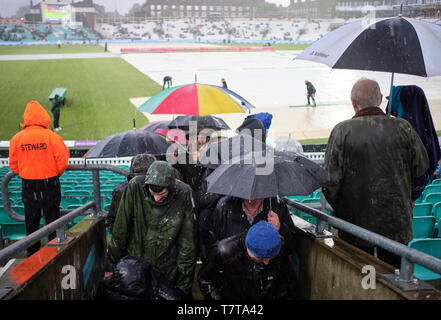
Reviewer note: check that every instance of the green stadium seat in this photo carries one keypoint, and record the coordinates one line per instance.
(436, 181)
(436, 211)
(66, 202)
(74, 206)
(432, 198)
(436, 188)
(422, 209)
(76, 193)
(423, 227)
(431, 247)
(13, 230)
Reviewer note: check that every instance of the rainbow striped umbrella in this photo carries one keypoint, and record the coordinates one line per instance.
(196, 99)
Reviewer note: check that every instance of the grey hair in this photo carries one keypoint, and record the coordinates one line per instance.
(366, 93)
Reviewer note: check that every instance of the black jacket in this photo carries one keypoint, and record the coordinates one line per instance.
(229, 273)
(310, 88)
(229, 219)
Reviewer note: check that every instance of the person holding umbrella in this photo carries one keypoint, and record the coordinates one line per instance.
(249, 266)
(56, 112)
(374, 158)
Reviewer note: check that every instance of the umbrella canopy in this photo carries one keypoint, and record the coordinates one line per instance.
(286, 143)
(212, 122)
(154, 125)
(195, 99)
(397, 45)
(291, 174)
(129, 143)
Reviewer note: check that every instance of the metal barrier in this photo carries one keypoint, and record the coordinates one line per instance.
(67, 215)
(57, 225)
(409, 256)
(96, 186)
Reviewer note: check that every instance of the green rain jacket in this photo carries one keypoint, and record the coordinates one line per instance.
(162, 233)
(374, 157)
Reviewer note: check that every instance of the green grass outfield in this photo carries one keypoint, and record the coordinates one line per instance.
(98, 92)
(50, 49)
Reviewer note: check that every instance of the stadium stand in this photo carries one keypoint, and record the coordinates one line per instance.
(20, 33)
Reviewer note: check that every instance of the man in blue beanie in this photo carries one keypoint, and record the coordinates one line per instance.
(248, 266)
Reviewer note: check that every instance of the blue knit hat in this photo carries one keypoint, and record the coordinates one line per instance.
(263, 240)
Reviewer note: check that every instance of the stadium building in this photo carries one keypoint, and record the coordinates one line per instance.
(210, 9)
(387, 8)
(359, 8)
(313, 9)
(67, 12)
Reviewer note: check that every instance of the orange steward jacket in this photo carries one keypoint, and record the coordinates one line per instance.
(36, 152)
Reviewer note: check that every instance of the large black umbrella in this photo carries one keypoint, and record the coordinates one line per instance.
(213, 154)
(256, 177)
(396, 45)
(129, 143)
(212, 122)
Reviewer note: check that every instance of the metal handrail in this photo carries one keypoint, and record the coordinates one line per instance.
(409, 256)
(96, 186)
(57, 225)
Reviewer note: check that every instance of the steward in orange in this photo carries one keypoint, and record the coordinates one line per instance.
(40, 157)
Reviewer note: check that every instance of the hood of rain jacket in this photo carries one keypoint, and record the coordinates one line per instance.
(36, 152)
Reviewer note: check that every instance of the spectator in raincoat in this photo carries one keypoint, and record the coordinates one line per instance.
(39, 156)
(374, 157)
(155, 222)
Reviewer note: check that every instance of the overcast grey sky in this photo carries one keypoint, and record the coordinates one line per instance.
(9, 7)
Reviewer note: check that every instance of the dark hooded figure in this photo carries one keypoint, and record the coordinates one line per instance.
(139, 166)
(254, 127)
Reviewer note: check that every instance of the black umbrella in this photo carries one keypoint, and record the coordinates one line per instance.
(212, 122)
(129, 143)
(256, 177)
(396, 45)
(152, 126)
(213, 154)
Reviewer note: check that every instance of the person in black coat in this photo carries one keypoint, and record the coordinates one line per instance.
(251, 265)
(234, 215)
(167, 81)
